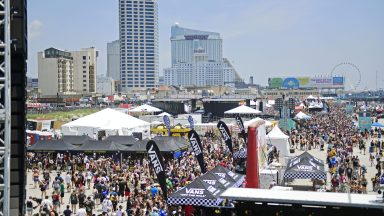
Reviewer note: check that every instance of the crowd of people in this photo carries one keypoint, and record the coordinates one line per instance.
(97, 184)
(339, 132)
(126, 187)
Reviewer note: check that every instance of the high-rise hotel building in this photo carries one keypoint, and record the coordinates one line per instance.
(63, 72)
(139, 58)
(197, 59)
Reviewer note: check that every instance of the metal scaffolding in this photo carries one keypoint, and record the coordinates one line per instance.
(5, 107)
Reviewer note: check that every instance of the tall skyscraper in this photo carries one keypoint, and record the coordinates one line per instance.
(197, 59)
(138, 26)
(113, 60)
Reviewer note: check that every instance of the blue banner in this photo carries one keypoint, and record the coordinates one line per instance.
(167, 123)
(191, 122)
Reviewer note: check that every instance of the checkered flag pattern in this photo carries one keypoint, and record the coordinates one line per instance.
(242, 153)
(304, 175)
(194, 201)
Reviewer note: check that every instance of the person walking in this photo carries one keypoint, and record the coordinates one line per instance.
(89, 206)
(73, 200)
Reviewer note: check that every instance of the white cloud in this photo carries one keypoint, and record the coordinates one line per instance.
(35, 28)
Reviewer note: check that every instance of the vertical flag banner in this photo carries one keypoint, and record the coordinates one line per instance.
(191, 123)
(194, 139)
(167, 123)
(240, 124)
(156, 161)
(223, 128)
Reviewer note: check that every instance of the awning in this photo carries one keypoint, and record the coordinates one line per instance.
(198, 193)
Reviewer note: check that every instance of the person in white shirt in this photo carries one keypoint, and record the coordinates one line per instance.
(107, 205)
(81, 211)
(46, 205)
(68, 181)
(120, 211)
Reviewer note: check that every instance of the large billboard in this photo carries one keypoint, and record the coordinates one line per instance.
(305, 82)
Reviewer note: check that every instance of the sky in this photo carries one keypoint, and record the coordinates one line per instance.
(262, 38)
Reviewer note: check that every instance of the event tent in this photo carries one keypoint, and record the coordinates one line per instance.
(242, 110)
(75, 140)
(309, 157)
(145, 108)
(166, 144)
(108, 120)
(174, 143)
(377, 124)
(51, 146)
(122, 140)
(280, 140)
(304, 167)
(247, 123)
(228, 174)
(164, 114)
(217, 181)
(302, 115)
(310, 97)
(101, 146)
(198, 193)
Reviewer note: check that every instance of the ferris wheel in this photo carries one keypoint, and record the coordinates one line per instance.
(351, 74)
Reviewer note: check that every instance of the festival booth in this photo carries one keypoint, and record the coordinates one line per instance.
(36, 136)
(144, 109)
(197, 193)
(106, 122)
(51, 146)
(308, 156)
(280, 140)
(160, 129)
(315, 107)
(204, 191)
(242, 111)
(305, 166)
(179, 130)
(176, 130)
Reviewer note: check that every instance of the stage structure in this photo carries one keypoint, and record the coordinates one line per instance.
(5, 107)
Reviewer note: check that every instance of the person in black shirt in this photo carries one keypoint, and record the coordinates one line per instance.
(349, 173)
(67, 212)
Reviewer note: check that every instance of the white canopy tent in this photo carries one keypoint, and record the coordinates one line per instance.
(108, 120)
(242, 110)
(247, 123)
(302, 115)
(164, 114)
(310, 97)
(145, 108)
(280, 140)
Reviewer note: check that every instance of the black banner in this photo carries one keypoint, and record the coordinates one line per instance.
(194, 139)
(226, 135)
(240, 124)
(156, 160)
